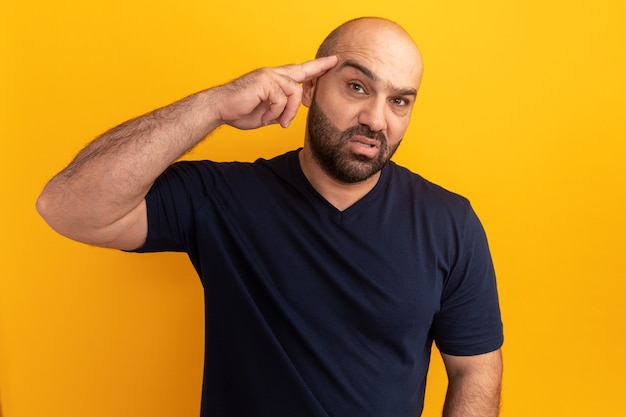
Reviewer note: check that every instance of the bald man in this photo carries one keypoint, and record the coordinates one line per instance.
(328, 271)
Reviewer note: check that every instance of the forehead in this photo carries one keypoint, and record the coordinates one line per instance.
(386, 52)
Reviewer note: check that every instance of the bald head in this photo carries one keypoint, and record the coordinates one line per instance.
(375, 38)
(333, 41)
(376, 43)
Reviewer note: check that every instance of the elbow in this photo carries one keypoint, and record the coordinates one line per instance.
(49, 209)
(73, 219)
(43, 205)
(57, 210)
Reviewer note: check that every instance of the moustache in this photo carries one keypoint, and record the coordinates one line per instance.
(362, 130)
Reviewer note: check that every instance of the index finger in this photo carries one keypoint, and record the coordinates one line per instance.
(309, 69)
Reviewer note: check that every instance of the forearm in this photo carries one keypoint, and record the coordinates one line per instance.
(469, 397)
(99, 197)
(112, 175)
(474, 385)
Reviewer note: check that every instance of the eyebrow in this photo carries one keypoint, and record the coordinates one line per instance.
(369, 74)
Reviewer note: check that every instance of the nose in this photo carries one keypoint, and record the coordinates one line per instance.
(373, 115)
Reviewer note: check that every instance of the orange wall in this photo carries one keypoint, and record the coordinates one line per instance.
(522, 109)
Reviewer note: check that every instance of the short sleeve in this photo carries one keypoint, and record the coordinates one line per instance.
(469, 321)
(172, 203)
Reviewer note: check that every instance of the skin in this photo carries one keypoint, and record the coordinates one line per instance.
(474, 385)
(99, 198)
(361, 96)
(374, 84)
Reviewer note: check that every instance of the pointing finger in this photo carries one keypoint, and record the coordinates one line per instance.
(309, 69)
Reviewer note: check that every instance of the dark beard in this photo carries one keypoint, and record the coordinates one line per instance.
(328, 146)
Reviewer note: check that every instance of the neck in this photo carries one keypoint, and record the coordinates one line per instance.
(341, 195)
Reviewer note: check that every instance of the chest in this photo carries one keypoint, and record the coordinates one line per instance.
(378, 270)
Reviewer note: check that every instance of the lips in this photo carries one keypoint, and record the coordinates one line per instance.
(365, 141)
(364, 146)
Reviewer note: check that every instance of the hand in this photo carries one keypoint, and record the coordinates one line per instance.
(268, 95)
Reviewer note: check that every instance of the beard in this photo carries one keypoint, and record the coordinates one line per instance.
(329, 150)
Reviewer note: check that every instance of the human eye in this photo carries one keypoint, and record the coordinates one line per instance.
(400, 101)
(356, 87)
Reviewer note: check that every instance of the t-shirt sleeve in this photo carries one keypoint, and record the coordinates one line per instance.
(171, 206)
(469, 320)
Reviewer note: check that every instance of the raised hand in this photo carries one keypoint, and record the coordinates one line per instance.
(267, 95)
(99, 197)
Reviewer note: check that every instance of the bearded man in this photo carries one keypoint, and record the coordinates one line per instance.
(329, 271)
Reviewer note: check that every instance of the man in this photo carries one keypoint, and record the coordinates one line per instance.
(328, 271)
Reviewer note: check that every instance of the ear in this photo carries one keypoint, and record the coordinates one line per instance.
(308, 88)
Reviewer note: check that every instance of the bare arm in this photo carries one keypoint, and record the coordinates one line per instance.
(99, 198)
(474, 385)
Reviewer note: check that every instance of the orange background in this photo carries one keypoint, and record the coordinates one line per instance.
(522, 109)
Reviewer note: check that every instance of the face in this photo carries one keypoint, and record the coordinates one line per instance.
(360, 110)
(333, 148)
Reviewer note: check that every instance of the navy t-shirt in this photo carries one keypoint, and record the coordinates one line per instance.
(316, 312)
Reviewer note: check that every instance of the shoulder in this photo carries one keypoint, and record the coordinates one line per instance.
(207, 173)
(411, 188)
(200, 180)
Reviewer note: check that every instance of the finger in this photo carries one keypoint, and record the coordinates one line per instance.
(277, 100)
(291, 108)
(309, 69)
(284, 97)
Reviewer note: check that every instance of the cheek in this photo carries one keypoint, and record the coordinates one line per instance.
(396, 128)
(344, 119)
(341, 114)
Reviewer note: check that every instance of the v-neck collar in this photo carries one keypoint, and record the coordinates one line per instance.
(308, 189)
